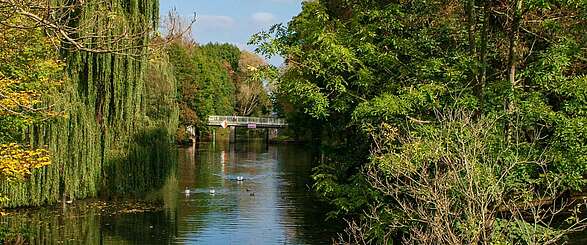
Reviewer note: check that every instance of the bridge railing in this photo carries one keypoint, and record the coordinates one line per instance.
(240, 120)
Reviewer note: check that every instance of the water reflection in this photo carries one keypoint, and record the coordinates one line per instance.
(272, 204)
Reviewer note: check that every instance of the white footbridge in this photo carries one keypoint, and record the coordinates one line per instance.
(246, 122)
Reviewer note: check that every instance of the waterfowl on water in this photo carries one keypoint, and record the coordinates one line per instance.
(240, 178)
(187, 191)
(212, 191)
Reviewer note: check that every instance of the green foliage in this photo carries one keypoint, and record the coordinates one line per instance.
(206, 87)
(225, 52)
(109, 102)
(519, 232)
(30, 72)
(161, 90)
(369, 74)
(214, 80)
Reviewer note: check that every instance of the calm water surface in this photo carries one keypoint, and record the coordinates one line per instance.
(272, 205)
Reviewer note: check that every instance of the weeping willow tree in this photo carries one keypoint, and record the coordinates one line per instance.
(111, 123)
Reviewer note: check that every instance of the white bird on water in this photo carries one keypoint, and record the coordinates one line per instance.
(240, 178)
(212, 191)
(187, 191)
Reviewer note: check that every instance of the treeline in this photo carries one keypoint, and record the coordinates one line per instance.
(214, 79)
(447, 122)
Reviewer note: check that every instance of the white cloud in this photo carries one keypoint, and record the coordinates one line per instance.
(264, 18)
(214, 22)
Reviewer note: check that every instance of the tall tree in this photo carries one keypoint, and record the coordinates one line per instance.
(377, 75)
(251, 95)
(81, 65)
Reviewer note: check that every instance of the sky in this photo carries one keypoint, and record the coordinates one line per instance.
(233, 21)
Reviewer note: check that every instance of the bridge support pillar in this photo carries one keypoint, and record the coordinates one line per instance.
(232, 134)
(270, 134)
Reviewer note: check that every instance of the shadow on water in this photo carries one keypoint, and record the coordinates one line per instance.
(133, 203)
(297, 190)
(151, 160)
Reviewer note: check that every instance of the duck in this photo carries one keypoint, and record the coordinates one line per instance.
(187, 191)
(240, 178)
(252, 194)
(212, 191)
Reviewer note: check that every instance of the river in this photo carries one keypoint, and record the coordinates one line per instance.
(273, 203)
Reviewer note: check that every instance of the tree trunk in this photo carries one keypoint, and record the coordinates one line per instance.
(483, 57)
(514, 36)
(470, 12)
(512, 63)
